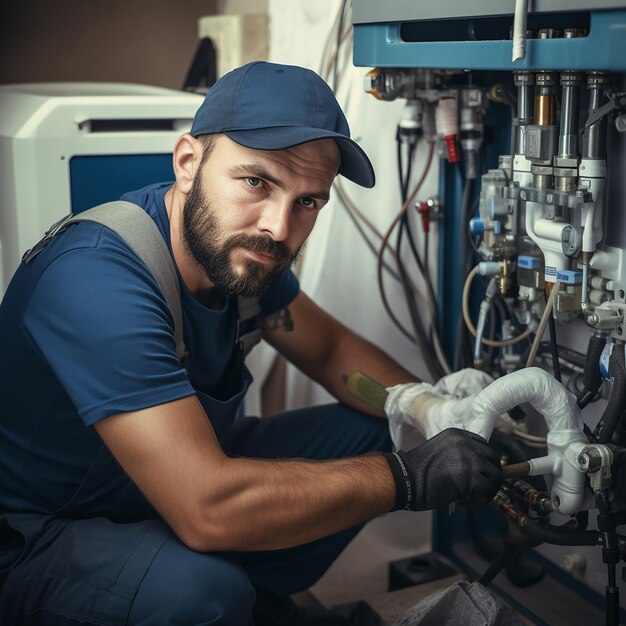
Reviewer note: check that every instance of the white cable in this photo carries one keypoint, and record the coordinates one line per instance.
(542, 324)
(519, 29)
(528, 437)
(468, 319)
(584, 297)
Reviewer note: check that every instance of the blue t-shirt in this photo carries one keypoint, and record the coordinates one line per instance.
(84, 334)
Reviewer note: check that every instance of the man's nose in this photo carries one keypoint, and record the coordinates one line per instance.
(275, 220)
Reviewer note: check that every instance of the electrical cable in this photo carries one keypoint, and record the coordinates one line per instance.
(421, 266)
(496, 566)
(554, 348)
(328, 61)
(418, 328)
(423, 340)
(605, 428)
(386, 237)
(542, 324)
(610, 554)
(528, 437)
(470, 325)
(563, 535)
(355, 215)
(592, 378)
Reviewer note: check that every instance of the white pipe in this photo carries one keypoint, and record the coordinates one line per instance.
(519, 29)
(565, 438)
(547, 235)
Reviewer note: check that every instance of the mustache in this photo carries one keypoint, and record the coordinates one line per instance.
(261, 245)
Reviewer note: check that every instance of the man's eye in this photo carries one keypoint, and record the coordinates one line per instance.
(308, 203)
(254, 182)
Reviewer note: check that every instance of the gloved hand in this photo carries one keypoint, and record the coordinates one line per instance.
(419, 410)
(453, 465)
(463, 383)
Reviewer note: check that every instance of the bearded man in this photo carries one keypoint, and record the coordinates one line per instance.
(131, 491)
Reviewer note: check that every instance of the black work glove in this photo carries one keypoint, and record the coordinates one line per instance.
(454, 465)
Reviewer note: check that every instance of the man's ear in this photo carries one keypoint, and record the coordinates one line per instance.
(186, 161)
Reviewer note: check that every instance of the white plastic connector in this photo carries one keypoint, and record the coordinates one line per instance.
(446, 117)
(488, 268)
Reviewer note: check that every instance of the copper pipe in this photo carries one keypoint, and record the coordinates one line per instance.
(516, 470)
(544, 110)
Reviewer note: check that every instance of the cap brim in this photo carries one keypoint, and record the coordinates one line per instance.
(355, 165)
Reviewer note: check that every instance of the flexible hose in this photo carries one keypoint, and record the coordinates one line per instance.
(494, 569)
(615, 407)
(592, 378)
(560, 535)
(470, 325)
(542, 324)
(554, 348)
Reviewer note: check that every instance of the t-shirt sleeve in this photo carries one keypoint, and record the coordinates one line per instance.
(99, 320)
(282, 291)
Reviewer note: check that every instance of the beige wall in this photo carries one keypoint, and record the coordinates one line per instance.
(143, 41)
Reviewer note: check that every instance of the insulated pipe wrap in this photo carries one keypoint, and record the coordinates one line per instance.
(532, 385)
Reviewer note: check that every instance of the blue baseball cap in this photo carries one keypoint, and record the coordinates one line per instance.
(267, 106)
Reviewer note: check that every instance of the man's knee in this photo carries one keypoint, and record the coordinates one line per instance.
(186, 587)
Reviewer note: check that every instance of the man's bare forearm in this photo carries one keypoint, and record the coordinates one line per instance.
(268, 504)
(354, 370)
(360, 373)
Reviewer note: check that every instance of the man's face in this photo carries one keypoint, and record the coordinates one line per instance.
(250, 211)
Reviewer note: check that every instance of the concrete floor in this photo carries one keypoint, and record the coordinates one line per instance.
(360, 572)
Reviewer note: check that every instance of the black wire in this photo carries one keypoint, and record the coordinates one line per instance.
(399, 165)
(405, 225)
(420, 265)
(423, 339)
(556, 366)
(498, 565)
(426, 240)
(418, 328)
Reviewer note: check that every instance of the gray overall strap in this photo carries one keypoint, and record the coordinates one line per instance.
(248, 331)
(142, 236)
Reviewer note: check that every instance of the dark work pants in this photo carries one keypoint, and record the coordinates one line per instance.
(97, 572)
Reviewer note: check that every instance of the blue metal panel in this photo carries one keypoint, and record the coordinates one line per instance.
(102, 178)
(381, 45)
(450, 243)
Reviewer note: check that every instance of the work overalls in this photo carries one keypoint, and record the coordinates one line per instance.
(73, 566)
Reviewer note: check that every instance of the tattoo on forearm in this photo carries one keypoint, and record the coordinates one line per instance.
(366, 389)
(281, 320)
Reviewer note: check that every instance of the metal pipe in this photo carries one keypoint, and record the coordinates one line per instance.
(516, 470)
(570, 94)
(524, 81)
(544, 98)
(594, 136)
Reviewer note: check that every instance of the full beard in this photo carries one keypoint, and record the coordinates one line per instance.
(202, 236)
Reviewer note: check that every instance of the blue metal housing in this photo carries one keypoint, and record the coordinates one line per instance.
(96, 179)
(604, 48)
